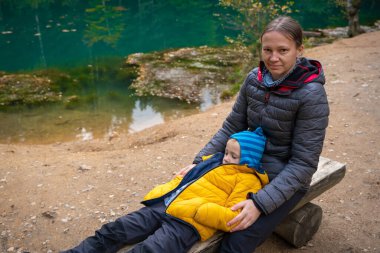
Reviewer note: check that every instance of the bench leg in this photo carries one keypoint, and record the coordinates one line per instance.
(301, 225)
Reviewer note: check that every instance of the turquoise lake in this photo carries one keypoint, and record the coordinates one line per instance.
(69, 33)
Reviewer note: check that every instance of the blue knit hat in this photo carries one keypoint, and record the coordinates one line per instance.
(252, 146)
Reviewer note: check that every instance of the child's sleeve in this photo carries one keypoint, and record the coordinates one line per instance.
(162, 189)
(241, 189)
(215, 216)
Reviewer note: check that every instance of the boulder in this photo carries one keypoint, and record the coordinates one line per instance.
(26, 89)
(188, 73)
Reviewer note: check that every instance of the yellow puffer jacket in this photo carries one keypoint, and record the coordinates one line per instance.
(206, 203)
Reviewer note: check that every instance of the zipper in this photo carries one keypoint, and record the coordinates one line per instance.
(266, 100)
(266, 97)
(188, 184)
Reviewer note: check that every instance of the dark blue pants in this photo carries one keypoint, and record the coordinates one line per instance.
(150, 227)
(246, 241)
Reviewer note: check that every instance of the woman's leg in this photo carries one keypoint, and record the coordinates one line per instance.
(173, 236)
(129, 229)
(246, 241)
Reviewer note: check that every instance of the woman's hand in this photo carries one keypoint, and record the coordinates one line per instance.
(184, 171)
(246, 217)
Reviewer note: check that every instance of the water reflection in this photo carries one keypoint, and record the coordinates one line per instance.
(103, 119)
(210, 96)
(35, 33)
(144, 117)
(85, 135)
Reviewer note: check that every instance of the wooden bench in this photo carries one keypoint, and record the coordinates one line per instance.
(303, 221)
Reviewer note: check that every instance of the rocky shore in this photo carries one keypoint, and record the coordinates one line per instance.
(187, 74)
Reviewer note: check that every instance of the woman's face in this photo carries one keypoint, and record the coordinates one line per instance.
(279, 53)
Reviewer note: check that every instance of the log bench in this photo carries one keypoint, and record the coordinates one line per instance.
(303, 221)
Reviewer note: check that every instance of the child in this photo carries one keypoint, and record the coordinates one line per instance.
(189, 208)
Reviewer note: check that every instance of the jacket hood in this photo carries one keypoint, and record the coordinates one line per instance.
(306, 71)
(252, 146)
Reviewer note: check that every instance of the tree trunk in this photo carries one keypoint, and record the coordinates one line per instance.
(353, 7)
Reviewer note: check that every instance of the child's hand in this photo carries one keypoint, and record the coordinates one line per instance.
(184, 171)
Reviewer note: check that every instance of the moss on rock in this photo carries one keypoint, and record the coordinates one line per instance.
(185, 72)
(26, 89)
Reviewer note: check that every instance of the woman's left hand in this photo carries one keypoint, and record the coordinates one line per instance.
(246, 217)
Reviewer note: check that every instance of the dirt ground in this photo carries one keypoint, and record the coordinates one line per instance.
(53, 196)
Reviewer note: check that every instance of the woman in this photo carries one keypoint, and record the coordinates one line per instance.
(286, 98)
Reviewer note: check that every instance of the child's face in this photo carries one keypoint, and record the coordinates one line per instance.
(232, 152)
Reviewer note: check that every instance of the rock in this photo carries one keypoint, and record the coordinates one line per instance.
(84, 167)
(342, 32)
(49, 214)
(184, 74)
(65, 220)
(88, 188)
(26, 89)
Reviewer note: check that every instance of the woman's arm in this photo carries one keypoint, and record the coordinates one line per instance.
(308, 136)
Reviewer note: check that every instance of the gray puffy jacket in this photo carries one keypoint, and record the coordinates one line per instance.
(294, 117)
